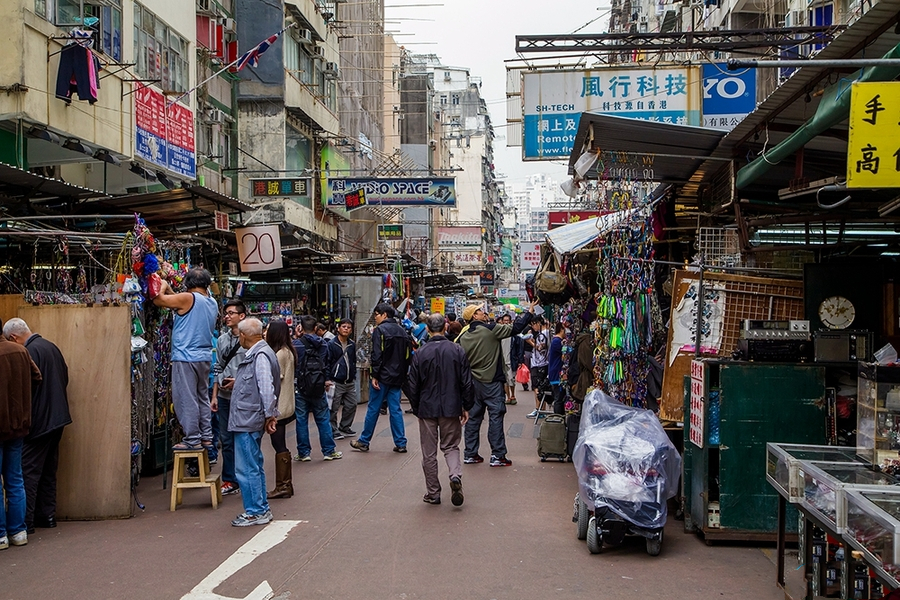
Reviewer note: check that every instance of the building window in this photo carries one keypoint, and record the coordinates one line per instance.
(160, 53)
(454, 99)
(297, 157)
(104, 20)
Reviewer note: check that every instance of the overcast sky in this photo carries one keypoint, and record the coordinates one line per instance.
(481, 35)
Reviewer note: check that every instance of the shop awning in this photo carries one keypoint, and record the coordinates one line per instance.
(652, 151)
(575, 236)
(20, 184)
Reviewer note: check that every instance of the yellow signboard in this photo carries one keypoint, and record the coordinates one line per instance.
(437, 305)
(873, 148)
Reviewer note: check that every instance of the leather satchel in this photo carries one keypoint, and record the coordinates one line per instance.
(549, 279)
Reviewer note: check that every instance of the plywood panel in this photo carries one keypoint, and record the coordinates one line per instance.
(9, 305)
(94, 457)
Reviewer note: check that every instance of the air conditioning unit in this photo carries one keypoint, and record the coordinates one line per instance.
(205, 6)
(306, 37)
(643, 18)
(229, 25)
(318, 52)
(330, 70)
(216, 116)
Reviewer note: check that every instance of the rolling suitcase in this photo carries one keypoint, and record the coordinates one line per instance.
(552, 438)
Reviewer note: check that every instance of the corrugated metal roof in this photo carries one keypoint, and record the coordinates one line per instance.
(18, 183)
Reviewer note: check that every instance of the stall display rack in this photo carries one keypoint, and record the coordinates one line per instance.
(783, 464)
(825, 486)
(878, 413)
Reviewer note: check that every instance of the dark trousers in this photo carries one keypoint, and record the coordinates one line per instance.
(227, 439)
(490, 398)
(73, 64)
(40, 459)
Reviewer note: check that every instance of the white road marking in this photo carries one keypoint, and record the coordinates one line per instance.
(270, 536)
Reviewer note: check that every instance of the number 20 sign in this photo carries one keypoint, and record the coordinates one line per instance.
(259, 248)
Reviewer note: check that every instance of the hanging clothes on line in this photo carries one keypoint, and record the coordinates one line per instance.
(79, 69)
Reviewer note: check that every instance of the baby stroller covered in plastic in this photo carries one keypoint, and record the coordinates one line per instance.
(627, 469)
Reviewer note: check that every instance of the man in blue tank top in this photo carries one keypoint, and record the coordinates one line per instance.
(195, 318)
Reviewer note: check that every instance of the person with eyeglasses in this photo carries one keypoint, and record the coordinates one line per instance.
(229, 353)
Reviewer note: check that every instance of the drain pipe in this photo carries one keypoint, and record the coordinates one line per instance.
(834, 108)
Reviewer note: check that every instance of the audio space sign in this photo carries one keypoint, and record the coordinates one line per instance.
(728, 96)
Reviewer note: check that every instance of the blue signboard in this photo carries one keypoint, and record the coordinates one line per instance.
(392, 191)
(728, 96)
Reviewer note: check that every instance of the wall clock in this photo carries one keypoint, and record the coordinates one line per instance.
(836, 312)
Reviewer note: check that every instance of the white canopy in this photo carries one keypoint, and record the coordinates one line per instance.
(574, 236)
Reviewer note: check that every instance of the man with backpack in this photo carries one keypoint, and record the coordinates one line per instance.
(313, 365)
(391, 354)
(344, 376)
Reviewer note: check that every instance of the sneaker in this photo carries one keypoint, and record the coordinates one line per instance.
(383, 411)
(334, 455)
(532, 415)
(347, 431)
(430, 500)
(229, 488)
(457, 497)
(400, 449)
(337, 434)
(359, 445)
(245, 520)
(473, 460)
(512, 401)
(304, 458)
(500, 461)
(18, 539)
(4, 543)
(213, 460)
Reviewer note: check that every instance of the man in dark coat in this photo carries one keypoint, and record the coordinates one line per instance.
(49, 415)
(18, 374)
(440, 392)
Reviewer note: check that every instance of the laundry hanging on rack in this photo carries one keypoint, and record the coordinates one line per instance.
(79, 69)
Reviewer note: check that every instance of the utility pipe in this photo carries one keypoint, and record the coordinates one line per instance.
(736, 63)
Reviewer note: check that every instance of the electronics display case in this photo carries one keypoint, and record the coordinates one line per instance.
(825, 485)
(873, 527)
(783, 464)
(878, 413)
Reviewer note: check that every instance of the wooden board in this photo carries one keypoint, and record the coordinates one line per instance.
(746, 298)
(9, 306)
(94, 479)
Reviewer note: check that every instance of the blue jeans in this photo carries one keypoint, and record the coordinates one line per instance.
(391, 395)
(227, 439)
(248, 462)
(12, 520)
(322, 417)
(489, 397)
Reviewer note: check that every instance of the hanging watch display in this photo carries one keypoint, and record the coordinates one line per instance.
(836, 312)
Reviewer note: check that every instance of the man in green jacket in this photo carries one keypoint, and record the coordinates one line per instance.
(480, 340)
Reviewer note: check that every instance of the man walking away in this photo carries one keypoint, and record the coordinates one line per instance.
(49, 415)
(481, 342)
(195, 319)
(345, 397)
(554, 369)
(313, 367)
(18, 374)
(253, 412)
(440, 392)
(229, 354)
(391, 353)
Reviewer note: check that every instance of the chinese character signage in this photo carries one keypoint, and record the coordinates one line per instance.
(437, 305)
(280, 187)
(873, 148)
(697, 404)
(486, 277)
(472, 257)
(164, 135)
(728, 96)
(557, 218)
(386, 191)
(221, 222)
(455, 237)
(259, 248)
(388, 233)
(530, 257)
(553, 103)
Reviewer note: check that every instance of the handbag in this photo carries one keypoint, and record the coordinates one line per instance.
(549, 279)
(523, 374)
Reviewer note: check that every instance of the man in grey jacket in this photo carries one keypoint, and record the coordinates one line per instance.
(254, 403)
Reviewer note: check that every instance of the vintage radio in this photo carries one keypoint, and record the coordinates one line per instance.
(842, 346)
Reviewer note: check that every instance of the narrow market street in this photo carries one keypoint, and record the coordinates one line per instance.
(362, 531)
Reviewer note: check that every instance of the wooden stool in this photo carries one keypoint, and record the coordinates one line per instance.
(181, 481)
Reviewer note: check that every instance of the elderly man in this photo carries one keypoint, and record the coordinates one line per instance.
(195, 318)
(17, 374)
(439, 388)
(253, 412)
(49, 415)
(481, 341)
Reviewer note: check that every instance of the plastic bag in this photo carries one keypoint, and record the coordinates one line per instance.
(625, 461)
(523, 374)
(329, 396)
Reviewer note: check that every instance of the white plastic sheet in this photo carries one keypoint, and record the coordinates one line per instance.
(625, 461)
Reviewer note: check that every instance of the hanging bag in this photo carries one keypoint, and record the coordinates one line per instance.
(549, 278)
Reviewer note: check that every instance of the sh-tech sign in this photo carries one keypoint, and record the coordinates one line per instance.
(728, 96)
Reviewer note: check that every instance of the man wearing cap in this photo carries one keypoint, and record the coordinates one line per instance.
(481, 342)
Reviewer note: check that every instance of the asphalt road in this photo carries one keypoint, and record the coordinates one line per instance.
(357, 528)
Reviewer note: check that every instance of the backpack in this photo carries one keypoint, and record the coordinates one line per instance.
(311, 372)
